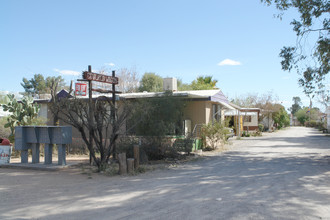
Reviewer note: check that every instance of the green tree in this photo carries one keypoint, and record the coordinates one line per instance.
(161, 116)
(312, 26)
(53, 85)
(157, 118)
(151, 82)
(183, 86)
(21, 113)
(53, 81)
(306, 114)
(302, 115)
(34, 86)
(296, 105)
(39, 85)
(281, 117)
(203, 83)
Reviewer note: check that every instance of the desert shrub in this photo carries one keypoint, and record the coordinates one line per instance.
(256, 134)
(311, 123)
(245, 134)
(183, 145)
(213, 134)
(158, 148)
(315, 124)
(321, 126)
(154, 148)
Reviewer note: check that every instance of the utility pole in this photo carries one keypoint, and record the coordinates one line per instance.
(310, 110)
(91, 113)
(113, 111)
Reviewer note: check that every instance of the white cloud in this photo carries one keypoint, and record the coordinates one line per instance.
(229, 62)
(67, 72)
(110, 64)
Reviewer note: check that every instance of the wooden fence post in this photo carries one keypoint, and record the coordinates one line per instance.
(122, 163)
(136, 156)
(130, 165)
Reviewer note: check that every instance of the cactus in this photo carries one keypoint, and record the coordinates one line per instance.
(22, 113)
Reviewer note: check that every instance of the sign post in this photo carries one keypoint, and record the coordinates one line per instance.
(90, 77)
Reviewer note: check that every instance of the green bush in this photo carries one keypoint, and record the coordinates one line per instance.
(22, 113)
(246, 134)
(212, 134)
(261, 127)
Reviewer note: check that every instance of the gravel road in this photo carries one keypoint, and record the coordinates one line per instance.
(281, 175)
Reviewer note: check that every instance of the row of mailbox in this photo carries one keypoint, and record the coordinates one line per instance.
(25, 135)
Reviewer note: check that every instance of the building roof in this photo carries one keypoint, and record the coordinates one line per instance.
(250, 109)
(235, 113)
(210, 95)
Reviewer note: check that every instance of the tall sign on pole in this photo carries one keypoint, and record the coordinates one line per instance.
(90, 77)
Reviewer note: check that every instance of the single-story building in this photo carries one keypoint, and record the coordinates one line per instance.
(202, 106)
(247, 118)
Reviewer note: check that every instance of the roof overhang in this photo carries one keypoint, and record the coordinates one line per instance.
(227, 106)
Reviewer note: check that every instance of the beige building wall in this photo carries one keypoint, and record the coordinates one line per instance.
(200, 112)
(208, 112)
(195, 111)
(254, 121)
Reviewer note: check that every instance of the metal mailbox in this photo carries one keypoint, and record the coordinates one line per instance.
(30, 137)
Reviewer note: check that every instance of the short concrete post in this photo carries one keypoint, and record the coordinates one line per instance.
(122, 163)
(130, 165)
(35, 153)
(136, 150)
(24, 156)
(61, 154)
(48, 153)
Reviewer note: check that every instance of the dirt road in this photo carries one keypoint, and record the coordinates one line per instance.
(283, 175)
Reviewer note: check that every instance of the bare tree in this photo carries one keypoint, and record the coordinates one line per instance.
(128, 80)
(99, 133)
(266, 103)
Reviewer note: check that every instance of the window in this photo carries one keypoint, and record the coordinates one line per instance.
(216, 112)
(247, 118)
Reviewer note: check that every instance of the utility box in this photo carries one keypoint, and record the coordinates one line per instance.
(170, 84)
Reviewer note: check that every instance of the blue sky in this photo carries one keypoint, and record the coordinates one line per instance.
(181, 38)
